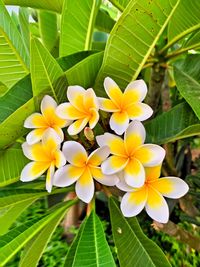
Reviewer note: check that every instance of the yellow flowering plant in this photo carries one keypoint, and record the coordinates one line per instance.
(131, 166)
(99, 121)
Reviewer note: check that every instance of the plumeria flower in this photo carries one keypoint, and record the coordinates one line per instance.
(42, 122)
(45, 156)
(82, 108)
(131, 154)
(150, 195)
(82, 169)
(125, 106)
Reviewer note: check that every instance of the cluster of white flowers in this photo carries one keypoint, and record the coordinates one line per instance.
(125, 162)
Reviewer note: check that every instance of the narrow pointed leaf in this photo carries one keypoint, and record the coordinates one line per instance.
(178, 123)
(45, 72)
(104, 22)
(10, 214)
(48, 28)
(127, 50)
(90, 241)
(36, 246)
(15, 239)
(78, 18)
(13, 57)
(25, 28)
(134, 248)
(187, 80)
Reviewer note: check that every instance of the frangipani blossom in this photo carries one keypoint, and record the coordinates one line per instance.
(42, 122)
(150, 195)
(82, 107)
(131, 154)
(125, 106)
(46, 155)
(82, 169)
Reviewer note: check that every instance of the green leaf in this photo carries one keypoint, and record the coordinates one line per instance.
(24, 28)
(12, 128)
(133, 38)
(134, 248)
(103, 21)
(38, 4)
(193, 41)
(178, 123)
(77, 24)
(187, 80)
(10, 214)
(120, 4)
(84, 73)
(9, 197)
(17, 96)
(48, 28)
(13, 59)
(12, 161)
(45, 72)
(184, 20)
(90, 241)
(36, 246)
(14, 240)
(69, 61)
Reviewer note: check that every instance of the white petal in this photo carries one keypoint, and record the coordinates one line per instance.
(27, 150)
(33, 170)
(134, 136)
(140, 87)
(119, 122)
(114, 142)
(51, 139)
(35, 120)
(77, 126)
(150, 155)
(171, 187)
(156, 206)
(133, 203)
(67, 175)
(109, 180)
(113, 165)
(85, 187)
(144, 112)
(134, 173)
(75, 153)
(74, 94)
(49, 178)
(113, 91)
(35, 136)
(47, 102)
(98, 156)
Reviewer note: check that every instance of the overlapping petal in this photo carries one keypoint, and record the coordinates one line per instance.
(49, 177)
(113, 91)
(134, 173)
(139, 111)
(133, 202)
(85, 186)
(119, 122)
(75, 153)
(98, 156)
(156, 206)
(77, 126)
(67, 175)
(115, 143)
(97, 174)
(114, 164)
(135, 92)
(134, 136)
(33, 170)
(107, 105)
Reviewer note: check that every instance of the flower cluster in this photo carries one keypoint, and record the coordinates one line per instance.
(121, 161)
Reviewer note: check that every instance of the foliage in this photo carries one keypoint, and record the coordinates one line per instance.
(81, 43)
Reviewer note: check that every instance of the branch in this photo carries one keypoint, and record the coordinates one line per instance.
(178, 233)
